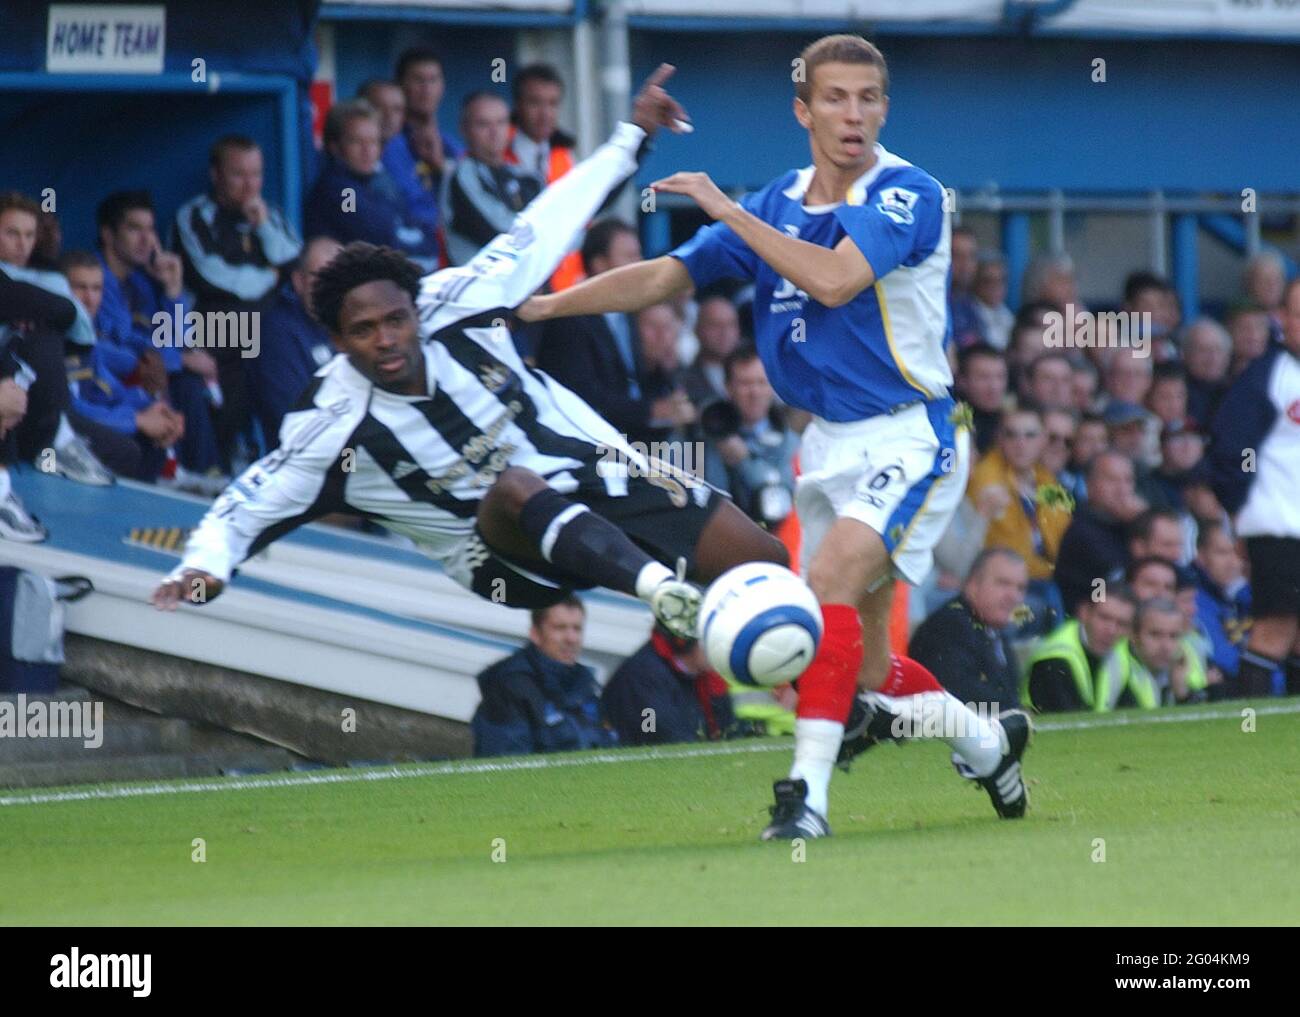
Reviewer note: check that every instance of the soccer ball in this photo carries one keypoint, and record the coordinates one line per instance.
(760, 624)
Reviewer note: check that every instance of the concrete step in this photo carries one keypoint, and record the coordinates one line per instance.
(118, 730)
(153, 766)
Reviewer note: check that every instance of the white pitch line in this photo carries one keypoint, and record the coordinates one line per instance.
(553, 762)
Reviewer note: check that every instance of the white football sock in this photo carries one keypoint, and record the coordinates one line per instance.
(978, 740)
(65, 432)
(816, 744)
(651, 575)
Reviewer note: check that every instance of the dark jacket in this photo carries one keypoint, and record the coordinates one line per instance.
(974, 662)
(532, 703)
(1243, 421)
(1094, 547)
(294, 347)
(381, 215)
(650, 679)
(581, 354)
(1224, 620)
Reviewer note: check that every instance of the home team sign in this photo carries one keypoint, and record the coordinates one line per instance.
(102, 39)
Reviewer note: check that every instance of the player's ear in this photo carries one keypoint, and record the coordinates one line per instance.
(801, 113)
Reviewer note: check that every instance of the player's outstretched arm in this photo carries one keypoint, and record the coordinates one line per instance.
(193, 586)
(831, 276)
(629, 288)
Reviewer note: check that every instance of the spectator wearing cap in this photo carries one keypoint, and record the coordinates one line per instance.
(990, 293)
(1207, 355)
(982, 382)
(1094, 550)
(966, 643)
(541, 698)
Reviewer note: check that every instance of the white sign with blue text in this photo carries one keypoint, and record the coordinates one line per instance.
(103, 39)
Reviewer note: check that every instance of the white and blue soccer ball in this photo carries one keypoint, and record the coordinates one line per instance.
(760, 624)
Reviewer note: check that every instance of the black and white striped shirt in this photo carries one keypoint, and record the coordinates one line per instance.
(420, 464)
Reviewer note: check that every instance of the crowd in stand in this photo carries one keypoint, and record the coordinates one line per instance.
(1092, 565)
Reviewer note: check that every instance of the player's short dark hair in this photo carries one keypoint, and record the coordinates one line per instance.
(77, 259)
(229, 143)
(343, 113)
(534, 72)
(538, 614)
(357, 264)
(1139, 282)
(1145, 563)
(838, 49)
(599, 238)
(742, 354)
(16, 201)
(113, 210)
(413, 56)
(1144, 525)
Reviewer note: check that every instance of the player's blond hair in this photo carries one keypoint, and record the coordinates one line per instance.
(838, 49)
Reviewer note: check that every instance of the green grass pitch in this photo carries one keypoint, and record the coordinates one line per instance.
(1199, 822)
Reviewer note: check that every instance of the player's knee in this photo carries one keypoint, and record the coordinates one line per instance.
(510, 492)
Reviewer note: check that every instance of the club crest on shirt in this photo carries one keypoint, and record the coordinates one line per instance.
(493, 376)
(897, 203)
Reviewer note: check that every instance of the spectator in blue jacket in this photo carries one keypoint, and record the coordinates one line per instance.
(128, 429)
(540, 699)
(296, 344)
(355, 197)
(142, 283)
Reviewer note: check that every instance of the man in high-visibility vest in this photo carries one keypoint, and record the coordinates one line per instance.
(539, 147)
(1069, 668)
(1156, 666)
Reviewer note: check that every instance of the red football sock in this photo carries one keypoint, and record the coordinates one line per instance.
(908, 677)
(826, 689)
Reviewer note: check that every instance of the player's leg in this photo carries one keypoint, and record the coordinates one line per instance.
(524, 518)
(731, 538)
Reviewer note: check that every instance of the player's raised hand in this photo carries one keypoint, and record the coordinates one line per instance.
(192, 586)
(653, 107)
(700, 188)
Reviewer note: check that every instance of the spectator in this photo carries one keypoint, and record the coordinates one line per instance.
(1148, 293)
(1049, 382)
(1167, 397)
(418, 169)
(1181, 449)
(390, 103)
(1257, 427)
(537, 145)
(750, 452)
(540, 699)
(597, 356)
(1071, 667)
(1095, 547)
(1207, 353)
(1150, 578)
(1222, 600)
(718, 327)
(1250, 328)
(1028, 341)
(1156, 533)
(1038, 510)
(128, 428)
(665, 693)
(990, 291)
(1153, 667)
(1091, 439)
(982, 382)
(1263, 281)
(235, 247)
(1083, 386)
(966, 643)
(355, 198)
(483, 193)
(40, 345)
(1050, 279)
(296, 345)
(962, 307)
(657, 329)
(1059, 427)
(144, 284)
(1127, 427)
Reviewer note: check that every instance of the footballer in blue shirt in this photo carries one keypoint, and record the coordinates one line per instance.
(849, 258)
